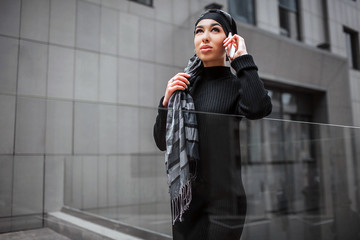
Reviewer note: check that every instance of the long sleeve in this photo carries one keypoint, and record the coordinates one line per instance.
(254, 101)
(160, 127)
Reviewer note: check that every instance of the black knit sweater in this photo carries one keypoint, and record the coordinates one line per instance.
(220, 91)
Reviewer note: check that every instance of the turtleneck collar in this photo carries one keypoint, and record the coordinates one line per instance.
(217, 72)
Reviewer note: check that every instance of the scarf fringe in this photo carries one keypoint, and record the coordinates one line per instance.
(181, 203)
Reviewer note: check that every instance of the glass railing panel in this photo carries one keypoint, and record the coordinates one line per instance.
(22, 163)
(300, 179)
(307, 188)
(125, 179)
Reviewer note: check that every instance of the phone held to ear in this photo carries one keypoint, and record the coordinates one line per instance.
(230, 49)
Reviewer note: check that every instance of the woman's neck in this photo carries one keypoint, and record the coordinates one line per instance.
(215, 63)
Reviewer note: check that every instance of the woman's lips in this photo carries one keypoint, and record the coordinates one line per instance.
(205, 48)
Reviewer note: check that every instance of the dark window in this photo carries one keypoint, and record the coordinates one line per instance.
(289, 19)
(293, 106)
(352, 47)
(285, 150)
(243, 10)
(145, 2)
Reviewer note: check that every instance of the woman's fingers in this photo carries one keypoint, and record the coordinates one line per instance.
(177, 87)
(180, 77)
(183, 74)
(177, 83)
(238, 43)
(227, 41)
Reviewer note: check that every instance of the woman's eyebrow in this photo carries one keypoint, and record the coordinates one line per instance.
(215, 24)
(211, 25)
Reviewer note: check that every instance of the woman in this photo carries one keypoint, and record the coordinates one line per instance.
(218, 206)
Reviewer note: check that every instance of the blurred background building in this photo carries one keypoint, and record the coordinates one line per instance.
(80, 82)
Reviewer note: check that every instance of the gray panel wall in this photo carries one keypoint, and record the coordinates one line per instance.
(72, 69)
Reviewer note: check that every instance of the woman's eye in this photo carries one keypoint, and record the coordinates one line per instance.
(215, 29)
(198, 31)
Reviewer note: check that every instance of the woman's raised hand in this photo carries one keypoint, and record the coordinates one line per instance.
(178, 82)
(239, 44)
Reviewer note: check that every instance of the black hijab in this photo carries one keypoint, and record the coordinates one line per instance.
(195, 66)
(222, 17)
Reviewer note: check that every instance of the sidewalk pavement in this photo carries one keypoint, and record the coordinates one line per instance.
(36, 234)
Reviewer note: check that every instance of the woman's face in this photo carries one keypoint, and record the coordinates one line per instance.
(208, 40)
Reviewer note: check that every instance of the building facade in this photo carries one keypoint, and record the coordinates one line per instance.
(81, 80)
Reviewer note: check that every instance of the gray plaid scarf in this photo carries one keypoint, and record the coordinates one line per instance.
(181, 151)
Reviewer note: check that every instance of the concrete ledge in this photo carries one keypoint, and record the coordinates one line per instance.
(79, 229)
(36, 234)
(80, 226)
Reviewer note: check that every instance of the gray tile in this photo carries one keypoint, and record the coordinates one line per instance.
(107, 129)
(5, 225)
(356, 117)
(147, 188)
(76, 186)
(133, 180)
(8, 64)
(147, 84)
(62, 22)
(32, 68)
(164, 43)
(267, 62)
(6, 171)
(181, 13)
(102, 182)
(183, 47)
(73, 182)
(146, 124)
(90, 182)
(145, 166)
(61, 72)
(128, 130)
(68, 172)
(128, 35)
(86, 75)
(141, 9)
(122, 5)
(194, 8)
(10, 17)
(112, 181)
(54, 183)
(162, 75)
(109, 27)
(128, 81)
(147, 39)
(108, 79)
(163, 10)
(88, 26)
(35, 19)
(285, 67)
(7, 122)
(59, 127)
(94, 1)
(30, 126)
(28, 185)
(86, 129)
(127, 186)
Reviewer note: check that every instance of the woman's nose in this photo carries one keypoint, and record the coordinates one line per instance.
(205, 37)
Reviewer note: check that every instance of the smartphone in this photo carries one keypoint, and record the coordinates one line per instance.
(230, 52)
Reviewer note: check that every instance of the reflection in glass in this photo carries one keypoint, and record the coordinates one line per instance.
(301, 179)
